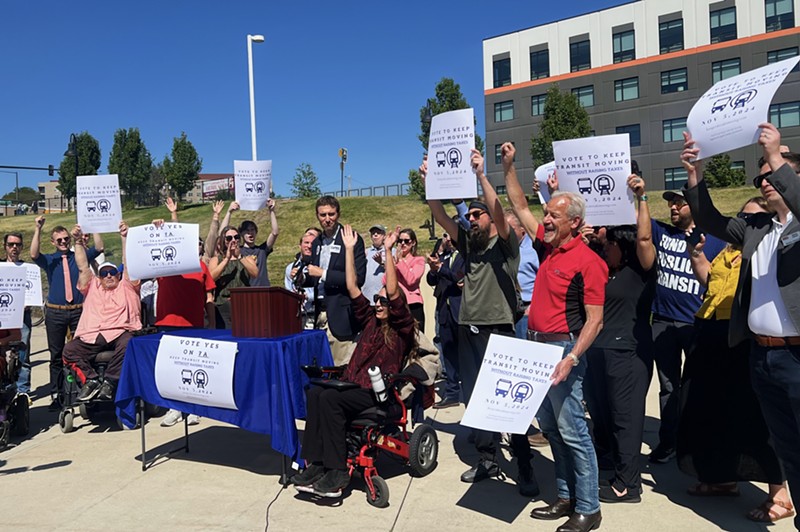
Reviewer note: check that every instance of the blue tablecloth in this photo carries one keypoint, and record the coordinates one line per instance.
(268, 382)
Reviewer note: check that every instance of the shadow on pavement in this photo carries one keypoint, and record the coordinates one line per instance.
(42, 467)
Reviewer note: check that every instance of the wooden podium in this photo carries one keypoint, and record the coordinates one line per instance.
(265, 312)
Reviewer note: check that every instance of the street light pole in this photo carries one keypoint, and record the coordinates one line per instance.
(343, 156)
(250, 40)
(426, 121)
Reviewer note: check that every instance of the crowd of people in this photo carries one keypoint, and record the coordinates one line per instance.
(706, 300)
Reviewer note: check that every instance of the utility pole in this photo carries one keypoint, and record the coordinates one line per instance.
(343, 157)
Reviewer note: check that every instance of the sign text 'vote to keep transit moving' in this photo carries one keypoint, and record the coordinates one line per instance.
(196, 370)
(727, 116)
(252, 180)
(158, 251)
(98, 204)
(597, 168)
(512, 383)
(12, 295)
(542, 174)
(451, 140)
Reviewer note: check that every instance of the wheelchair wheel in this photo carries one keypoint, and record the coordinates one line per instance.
(423, 450)
(378, 496)
(21, 419)
(85, 410)
(65, 421)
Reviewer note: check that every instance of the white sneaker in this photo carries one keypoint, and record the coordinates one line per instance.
(193, 419)
(172, 417)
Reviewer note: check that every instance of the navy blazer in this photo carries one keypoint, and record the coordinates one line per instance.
(341, 321)
(446, 289)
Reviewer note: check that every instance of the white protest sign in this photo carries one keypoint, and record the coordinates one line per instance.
(168, 250)
(543, 173)
(727, 116)
(33, 285)
(451, 140)
(12, 295)
(252, 183)
(97, 203)
(196, 370)
(597, 168)
(512, 383)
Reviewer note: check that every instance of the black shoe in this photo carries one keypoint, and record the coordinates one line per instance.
(581, 522)
(89, 390)
(481, 471)
(526, 481)
(446, 403)
(332, 483)
(557, 510)
(305, 481)
(106, 392)
(661, 455)
(607, 494)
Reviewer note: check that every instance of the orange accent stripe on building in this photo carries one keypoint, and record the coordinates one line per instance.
(646, 60)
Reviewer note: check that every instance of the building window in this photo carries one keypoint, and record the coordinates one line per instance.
(626, 89)
(673, 129)
(738, 165)
(585, 95)
(723, 25)
(725, 69)
(779, 55)
(504, 111)
(670, 36)
(498, 153)
(675, 178)
(674, 81)
(785, 114)
(540, 64)
(624, 46)
(780, 14)
(537, 104)
(580, 56)
(502, 72)
(634, 132)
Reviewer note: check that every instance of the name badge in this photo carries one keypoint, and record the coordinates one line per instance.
(788, 240)
(336, 248)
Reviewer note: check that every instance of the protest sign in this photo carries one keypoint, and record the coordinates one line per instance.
(451, 140)
(512, 383)
(597, 168)
(196, 370)
(12, 295)
(727, 116)
(33, 284)
(168, 250)
(97, 203)
(252, 183)
(543, 173)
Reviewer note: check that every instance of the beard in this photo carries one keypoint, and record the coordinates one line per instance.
(478, 239)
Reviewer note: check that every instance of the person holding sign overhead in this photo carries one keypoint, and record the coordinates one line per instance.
(249, 231)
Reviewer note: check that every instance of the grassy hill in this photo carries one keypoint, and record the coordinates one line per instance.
(294, 216)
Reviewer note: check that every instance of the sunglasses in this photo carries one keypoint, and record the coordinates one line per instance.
(474, 215)
(108, 272)
(677, 203)
(228, 238)
(63, 240)
(746, 216)
(380, 300)
(405, 240)
(759, 179)
(14, 244)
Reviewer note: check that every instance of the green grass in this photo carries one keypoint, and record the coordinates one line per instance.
(295, 215)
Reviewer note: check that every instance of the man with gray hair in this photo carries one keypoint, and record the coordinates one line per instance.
(567, 311)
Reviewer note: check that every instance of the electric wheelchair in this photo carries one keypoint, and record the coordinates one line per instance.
(14, 408)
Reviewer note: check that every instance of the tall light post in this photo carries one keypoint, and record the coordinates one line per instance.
(427, 118)
(72, 150)
(343, 157)
(250, 40)
(16, 181)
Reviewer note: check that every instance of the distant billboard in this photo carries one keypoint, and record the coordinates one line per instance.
(213, 186)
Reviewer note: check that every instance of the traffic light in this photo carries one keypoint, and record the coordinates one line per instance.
(50, 170)
(343, 154)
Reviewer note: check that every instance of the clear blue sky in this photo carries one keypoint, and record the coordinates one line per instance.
(330, 74)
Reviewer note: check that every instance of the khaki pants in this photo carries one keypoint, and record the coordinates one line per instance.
(341, 350)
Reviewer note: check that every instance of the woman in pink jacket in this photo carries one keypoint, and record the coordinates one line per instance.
(410, 269)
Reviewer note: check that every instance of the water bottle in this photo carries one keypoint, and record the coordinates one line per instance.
(378, 385)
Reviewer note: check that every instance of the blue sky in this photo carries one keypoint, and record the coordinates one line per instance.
(330, 74)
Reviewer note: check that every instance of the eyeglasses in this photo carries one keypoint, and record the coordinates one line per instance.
(759, 179)
(62, 240)
(405, 241)
(474, 215)
(108, 272)
(228, 238)
(380, 300)
(746, 216)
(14, 244)
(677, 203)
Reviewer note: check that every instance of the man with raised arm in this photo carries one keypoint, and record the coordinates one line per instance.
(566, 310)
(491, 254)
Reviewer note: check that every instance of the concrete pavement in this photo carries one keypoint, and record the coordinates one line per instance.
(91, 479)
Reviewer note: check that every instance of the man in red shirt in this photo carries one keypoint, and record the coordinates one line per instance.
(566, 310)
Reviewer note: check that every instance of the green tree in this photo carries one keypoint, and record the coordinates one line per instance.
(417, 187)
(563, 118)
(131, 160)
(26, 195)
(88, 164)
(305, 183)
(447, 97)
(719, 173)
(182, 168)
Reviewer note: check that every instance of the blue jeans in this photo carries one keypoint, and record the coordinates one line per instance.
(775, 373)
(561, 418)
(24, 379)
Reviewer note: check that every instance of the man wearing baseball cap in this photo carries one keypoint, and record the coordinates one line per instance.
(376, 256)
